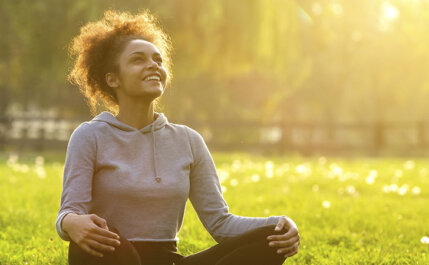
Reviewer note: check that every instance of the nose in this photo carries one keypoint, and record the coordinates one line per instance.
(152, 65)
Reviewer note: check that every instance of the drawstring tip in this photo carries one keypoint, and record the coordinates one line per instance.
(158, 179)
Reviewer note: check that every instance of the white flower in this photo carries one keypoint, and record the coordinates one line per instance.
(269, 165)
(233, 182)
(326, 204)
(403, 190)
(386, 188)
(416, 190)
(223, 174)
(269, 173)
(41, 173)
(408, 165)
(20, 168)
(303, 170)
(424, 240)
(373, 173)
(351, 189)
(255, 178)
(335, 170)
(370, 180)
(236, 165)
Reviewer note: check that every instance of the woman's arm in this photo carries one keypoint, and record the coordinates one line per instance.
(73, 222)
(206, 196)
(79, 169)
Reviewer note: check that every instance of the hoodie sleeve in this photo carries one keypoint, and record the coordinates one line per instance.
(206, 196)
(77, 179)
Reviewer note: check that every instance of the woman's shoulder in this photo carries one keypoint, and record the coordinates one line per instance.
(192, 133)
(90, 127)
(84, 130)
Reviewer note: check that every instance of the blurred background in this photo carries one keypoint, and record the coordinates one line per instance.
(270, 76)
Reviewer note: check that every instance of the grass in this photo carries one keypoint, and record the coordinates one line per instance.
(348, 211)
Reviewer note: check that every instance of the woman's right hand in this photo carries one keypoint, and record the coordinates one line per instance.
(90, 232)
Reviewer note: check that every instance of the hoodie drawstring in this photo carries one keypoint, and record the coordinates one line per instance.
(157, 178)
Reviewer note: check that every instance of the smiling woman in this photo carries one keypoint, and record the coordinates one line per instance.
(127, 177)
(97, 50)
(139, 74)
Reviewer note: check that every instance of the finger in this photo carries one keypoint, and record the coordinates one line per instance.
(89, 250)
(281, 224)
(289, 234)
(284, 244)
(288, 249)
(104, 232)
(95, 245)
(291, 254)
(99, 221)
(105, 240)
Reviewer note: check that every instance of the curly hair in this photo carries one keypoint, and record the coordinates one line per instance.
(98, 47)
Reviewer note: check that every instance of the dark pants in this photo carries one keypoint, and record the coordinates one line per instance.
(250, 248)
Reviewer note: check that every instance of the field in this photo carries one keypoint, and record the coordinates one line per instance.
(348, 211)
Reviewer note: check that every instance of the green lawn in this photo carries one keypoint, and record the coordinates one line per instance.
(360, 211)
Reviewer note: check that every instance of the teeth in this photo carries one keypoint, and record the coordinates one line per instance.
(153, 77)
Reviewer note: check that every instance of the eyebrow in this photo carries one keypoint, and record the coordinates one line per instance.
(156, 53)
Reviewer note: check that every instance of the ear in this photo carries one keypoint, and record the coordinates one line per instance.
(112, 80)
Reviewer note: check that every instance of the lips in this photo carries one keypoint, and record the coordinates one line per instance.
(152, 77)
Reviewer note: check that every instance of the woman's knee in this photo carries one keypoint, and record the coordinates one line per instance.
(265, 231)
(270, 252)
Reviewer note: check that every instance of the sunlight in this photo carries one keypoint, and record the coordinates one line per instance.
(337, 9)
(390, 12)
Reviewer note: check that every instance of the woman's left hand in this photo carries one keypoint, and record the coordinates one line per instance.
(287, 243)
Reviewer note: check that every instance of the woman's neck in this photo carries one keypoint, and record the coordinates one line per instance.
(136, 114)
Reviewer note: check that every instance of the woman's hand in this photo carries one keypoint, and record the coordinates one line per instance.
(288, 242)
(90, 232)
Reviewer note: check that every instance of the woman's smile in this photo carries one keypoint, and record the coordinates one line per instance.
(143, 60)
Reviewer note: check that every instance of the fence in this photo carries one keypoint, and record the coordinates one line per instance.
(332, 138)
(305, 138)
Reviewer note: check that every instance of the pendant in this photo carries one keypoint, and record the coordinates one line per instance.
(158, 179)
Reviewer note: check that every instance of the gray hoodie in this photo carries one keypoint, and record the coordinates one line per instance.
(139, 180)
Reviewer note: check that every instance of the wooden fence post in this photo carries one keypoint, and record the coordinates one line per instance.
(421, 133)
(378, 136)
(285, 141)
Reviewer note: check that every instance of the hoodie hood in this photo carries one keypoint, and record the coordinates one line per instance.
(159, 122)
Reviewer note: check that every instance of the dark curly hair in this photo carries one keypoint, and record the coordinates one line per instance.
(98, 47)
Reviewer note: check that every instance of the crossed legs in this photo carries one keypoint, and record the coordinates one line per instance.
(250, 248)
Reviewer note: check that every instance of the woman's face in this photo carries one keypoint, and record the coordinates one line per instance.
(141, 72)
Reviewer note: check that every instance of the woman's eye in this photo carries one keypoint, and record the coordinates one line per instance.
(137, 60)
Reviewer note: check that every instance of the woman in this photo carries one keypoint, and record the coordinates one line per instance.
(127, 176)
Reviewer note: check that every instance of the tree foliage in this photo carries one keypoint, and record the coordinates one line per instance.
(333, 60)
